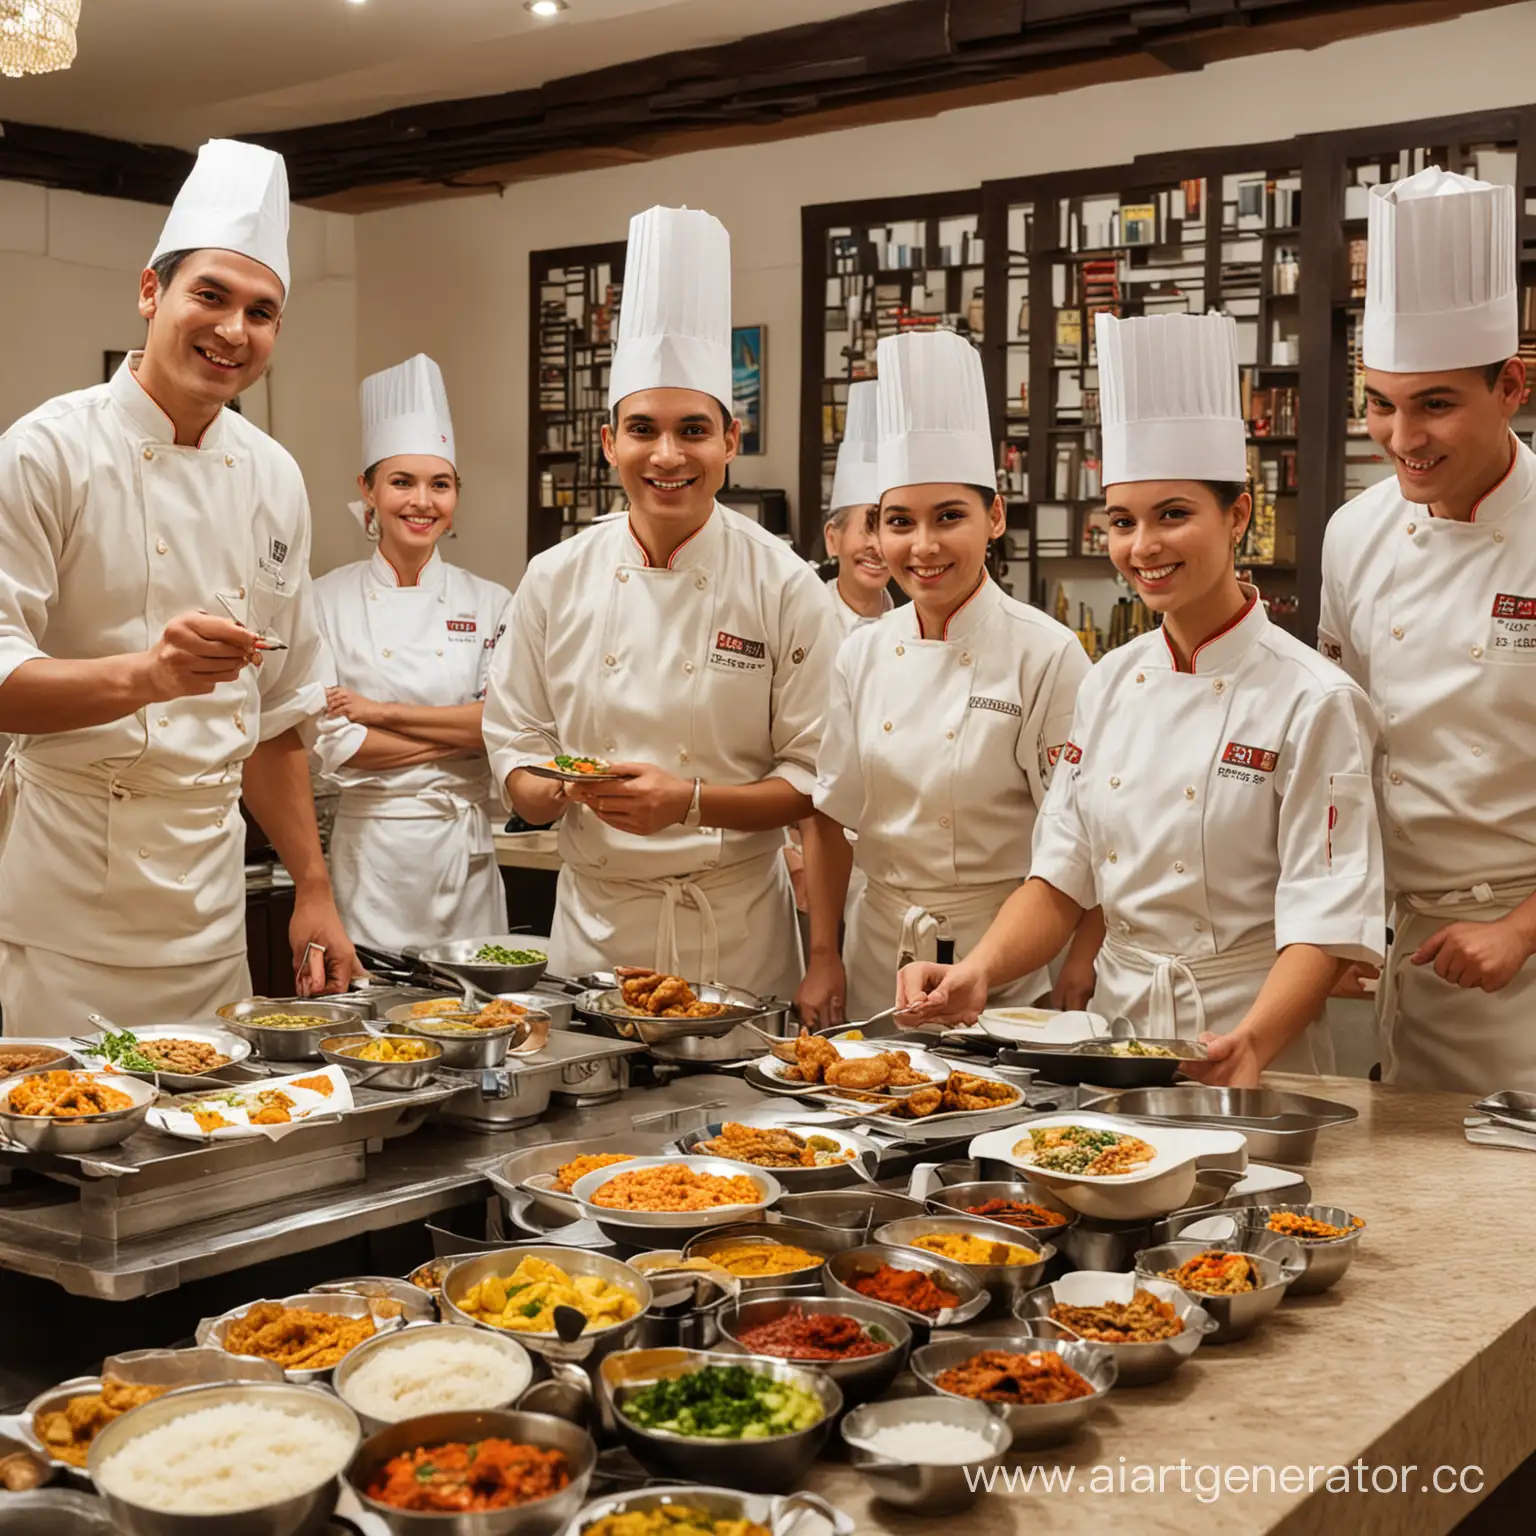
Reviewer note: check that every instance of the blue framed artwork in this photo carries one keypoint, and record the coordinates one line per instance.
(747, 383)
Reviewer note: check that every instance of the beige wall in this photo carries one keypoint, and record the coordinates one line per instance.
(69, 270)
(452, 279)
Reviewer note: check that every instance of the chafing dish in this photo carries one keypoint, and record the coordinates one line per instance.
(1005, 1282)
(1279, 1127)
(415, 1304)
(278, 1044)
(577, 1068)
(212, 1331)
(925, 1488)
(686, 1304)
(456, 960)
(531, 1172)
(1035, 1426)
(399, 1076)
(606, 1007)
(1113, 1245)
(1097, 1062)
(77, 1133)
(1277, 1259)
(854, 1211)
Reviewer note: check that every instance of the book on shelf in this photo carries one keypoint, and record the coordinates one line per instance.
(1069, 336)
(1138, 224)
(1194, 198)
(1274, 412)
(1358, 255)
(1067, 461)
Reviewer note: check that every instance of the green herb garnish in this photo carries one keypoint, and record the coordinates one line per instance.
(724, 1403)
(496, 954)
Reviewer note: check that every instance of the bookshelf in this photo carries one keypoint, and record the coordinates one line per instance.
(574, 296)
(873, 269)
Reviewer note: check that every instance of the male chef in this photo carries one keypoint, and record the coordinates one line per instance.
(688, 647)
(1429, 602)
(157, 647)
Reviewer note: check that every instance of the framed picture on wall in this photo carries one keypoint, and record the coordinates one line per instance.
(747, 382)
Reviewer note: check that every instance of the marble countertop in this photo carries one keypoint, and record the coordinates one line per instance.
(1398, 1364)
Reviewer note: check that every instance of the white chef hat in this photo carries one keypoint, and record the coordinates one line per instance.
(855, 484)
(1440, 287)
(675, 319)
(934, 426)
(405, 410)
(1168, 398)
(236, 199)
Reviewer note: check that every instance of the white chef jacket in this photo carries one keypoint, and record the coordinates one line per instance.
(1217, 815)
(125, 845)
(938, 753)
(413, 858)
(714, 666)
(1436, 620)
(848, 618)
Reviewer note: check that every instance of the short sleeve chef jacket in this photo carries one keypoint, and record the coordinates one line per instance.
(109, 530)
(714, 666)
(1436, 620)
(939, 752)
(1204, 808)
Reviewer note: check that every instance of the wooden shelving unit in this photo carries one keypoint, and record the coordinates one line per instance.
(574, 297)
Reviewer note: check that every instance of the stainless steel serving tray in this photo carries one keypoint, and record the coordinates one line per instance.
(1279, 1127)
(606, 1006)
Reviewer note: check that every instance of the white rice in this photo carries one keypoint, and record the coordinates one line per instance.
(930, 1445)
(435, 1374)
(220, 1460)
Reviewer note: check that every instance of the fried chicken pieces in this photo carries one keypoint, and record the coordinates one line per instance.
(68, 1433)
(817, 1060)
(663, 996)
(296, 1339)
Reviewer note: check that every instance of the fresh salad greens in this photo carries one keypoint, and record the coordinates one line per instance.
(567, 764)
(497, 954)
(725, 1402)
(121, 1050)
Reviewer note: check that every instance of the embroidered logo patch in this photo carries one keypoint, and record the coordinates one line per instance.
(462, 626)
(279, 551)
(1260, 759)
(1514, 623)
(997, 706)
(1071, 752)
(1331, 649)
(1508, 606)
(463, 629)
(737, 654)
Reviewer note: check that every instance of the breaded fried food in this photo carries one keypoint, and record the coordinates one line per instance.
(209, 1120)
(321, 1085)
(813, 1056)
(67, 1433)
(902, 1073)
(863, 1073)
(296, 1339)
(965, 1090)
(65, 1096)
(921, 1104)
(271, 1114)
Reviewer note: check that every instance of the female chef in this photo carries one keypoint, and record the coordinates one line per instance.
(945, 718)
(412, 855)
(863, 578)
(1218, 803)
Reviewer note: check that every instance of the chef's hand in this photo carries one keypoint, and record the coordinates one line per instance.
(645, 801)
(1074, 988)
(939, 994)
(323, 957)
(196, 653)
(820, 1000)
(1231, 1061)
(358, 709)
(1352, 979)
(1486, 955)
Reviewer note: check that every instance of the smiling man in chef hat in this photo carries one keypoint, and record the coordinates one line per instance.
(157, 650)
(1429, 601)
(688, 647)
(861, 590)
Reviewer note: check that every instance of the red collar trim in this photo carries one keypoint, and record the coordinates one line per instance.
(1226, 629)
(645, 554)
(1514, 453)
(133, 373)
(980, 588)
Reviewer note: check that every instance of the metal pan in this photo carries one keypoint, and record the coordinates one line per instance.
(80, 1133)
(607, 1007)
(1094, 1061)
(457, 962)
(224, 1041)
(282, 1044)
(394, 1076)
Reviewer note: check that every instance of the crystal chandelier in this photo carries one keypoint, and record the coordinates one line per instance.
(37, 35)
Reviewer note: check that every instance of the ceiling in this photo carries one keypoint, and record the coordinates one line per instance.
(180, 71)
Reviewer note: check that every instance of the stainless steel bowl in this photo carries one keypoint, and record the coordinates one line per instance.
(531, 1172)
(838, 1175)
(855, 1211)
(846, 1267)
(759, 1466)
(594, 1343)
(1278, 1263)
(1139, 1364)
(749, 1234)
(415, 1305)
(1035, 1426)
(287, 1516)
(457, 959)
(1113, 1245)
(278, 1044)
(605, 1006)
(468, 1052)
(956, 1200)
(212, 1331)
(769, 1191)
(925, 1488)
(54, 1512)
(394, 1076)
(860, 1379)
(518, 1358)
(61, 1059)
(225, 1041)
(1324, 1261)
(81, 1133)
(686, 1307)
(1006, 1282)
(543, 1517)
(770, 1510)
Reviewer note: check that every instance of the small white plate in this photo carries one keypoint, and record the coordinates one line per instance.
(561, 776)
(1042, 1026)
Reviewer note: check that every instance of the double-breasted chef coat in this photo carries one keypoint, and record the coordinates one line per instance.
(1218, 815)
(938, 753)
(848, 617)
(122, 869)
(1436, 619)
(412, 853)
(714, 666)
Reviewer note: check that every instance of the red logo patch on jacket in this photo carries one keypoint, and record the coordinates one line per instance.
(739, 647)
(1509, 606)
(462, 626)
(1071, 752)
(1260, 759)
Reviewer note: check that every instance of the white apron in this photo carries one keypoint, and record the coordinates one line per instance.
(889, 928)
(412, 853)
(1183, 996)
(1438, 1035)
(714, 666)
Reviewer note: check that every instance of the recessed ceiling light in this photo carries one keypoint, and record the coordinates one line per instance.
(545, 7)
